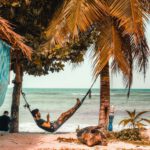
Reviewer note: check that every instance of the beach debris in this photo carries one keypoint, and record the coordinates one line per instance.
(68, 140)
(92, 135)
(128, 135)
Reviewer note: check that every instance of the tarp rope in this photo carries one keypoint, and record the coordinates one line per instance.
(4, 69)
(82, 100)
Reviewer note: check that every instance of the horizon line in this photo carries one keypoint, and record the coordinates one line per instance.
(80, 88)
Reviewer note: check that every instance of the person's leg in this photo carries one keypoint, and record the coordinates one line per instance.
(64, 116)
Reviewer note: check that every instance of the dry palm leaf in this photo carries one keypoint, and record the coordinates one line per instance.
(109, 45)
(15, 40)
(131, 17)
(74, 17)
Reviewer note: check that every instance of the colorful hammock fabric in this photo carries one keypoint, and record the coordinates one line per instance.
(4, 69)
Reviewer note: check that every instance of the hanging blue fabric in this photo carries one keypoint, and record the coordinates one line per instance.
(4, 69)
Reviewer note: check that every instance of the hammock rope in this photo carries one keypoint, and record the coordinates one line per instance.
(27, 105)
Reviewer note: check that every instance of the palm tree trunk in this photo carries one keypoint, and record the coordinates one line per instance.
(104, 96)
(14, 126)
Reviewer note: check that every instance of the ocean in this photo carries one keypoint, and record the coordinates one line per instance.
(56, 101)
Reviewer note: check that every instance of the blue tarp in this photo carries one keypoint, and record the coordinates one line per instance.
(4, 69)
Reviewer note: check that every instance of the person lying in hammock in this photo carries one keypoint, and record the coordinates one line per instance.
(53, 126)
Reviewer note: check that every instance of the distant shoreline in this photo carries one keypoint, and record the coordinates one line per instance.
(84, 88)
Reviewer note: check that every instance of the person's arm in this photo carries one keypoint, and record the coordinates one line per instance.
(48, 117)
(47, 123)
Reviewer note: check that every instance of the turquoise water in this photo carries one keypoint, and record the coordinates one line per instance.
(56, 101)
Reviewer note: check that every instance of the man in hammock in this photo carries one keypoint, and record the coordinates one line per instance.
(53, 126)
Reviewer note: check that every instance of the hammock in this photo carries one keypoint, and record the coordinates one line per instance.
(55, 126)
(4, 69)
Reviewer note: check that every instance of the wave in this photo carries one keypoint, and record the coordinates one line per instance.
(68, 127)
(82, 94)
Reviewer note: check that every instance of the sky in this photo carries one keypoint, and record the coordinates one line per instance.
(81, 76)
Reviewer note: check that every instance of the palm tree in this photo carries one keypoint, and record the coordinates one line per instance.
(135, 120)
(120, 25)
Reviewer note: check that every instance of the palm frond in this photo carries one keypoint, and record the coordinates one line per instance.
(104, 46)
(54, 30)
(118, 53)
(82, 14)
(140, 125)
(141, 54)
(16, 41)
(146, 120)
(75, 15)
(145, 5)
(125, 122)
(131, 114)
(131, 17)
(127, 49)
(140, 113)
(109, 44)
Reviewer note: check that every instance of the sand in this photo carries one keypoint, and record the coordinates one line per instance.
(41, 141)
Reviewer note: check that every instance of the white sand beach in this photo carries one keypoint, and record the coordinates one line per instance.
(40, 141)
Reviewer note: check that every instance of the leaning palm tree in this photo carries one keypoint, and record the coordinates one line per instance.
(120, 26)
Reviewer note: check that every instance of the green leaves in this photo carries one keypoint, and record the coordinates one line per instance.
(30, 18)
(12, 3)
